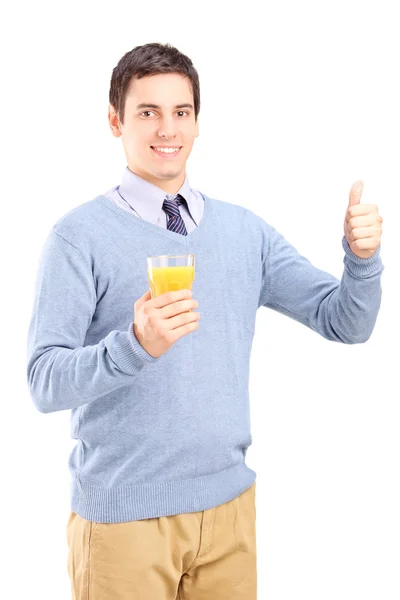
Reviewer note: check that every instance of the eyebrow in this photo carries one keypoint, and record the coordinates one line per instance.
(146, 105)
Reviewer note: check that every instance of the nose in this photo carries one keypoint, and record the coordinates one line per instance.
(167, 128)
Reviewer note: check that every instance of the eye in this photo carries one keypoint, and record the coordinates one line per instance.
(150, 111)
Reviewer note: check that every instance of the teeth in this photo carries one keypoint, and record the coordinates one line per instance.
(167, 150)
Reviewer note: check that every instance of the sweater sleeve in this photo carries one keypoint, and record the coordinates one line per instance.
(339, 310)
(62, 373)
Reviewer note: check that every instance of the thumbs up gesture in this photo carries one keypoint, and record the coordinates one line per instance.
(362, 224)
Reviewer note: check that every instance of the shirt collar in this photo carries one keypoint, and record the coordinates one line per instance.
(147, 199)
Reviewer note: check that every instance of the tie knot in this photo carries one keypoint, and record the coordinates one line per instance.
(171, 204)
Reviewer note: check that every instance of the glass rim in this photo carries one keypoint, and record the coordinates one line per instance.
(170, 256)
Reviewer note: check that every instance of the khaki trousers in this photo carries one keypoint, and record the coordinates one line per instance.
(208, 555)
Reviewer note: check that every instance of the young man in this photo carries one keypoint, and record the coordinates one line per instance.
(163, 504)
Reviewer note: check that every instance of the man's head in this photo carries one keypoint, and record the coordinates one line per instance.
(154, 102)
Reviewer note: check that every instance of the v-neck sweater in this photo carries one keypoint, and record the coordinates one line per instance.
(169, 435)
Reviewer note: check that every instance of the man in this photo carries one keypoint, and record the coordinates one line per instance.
(163, 504)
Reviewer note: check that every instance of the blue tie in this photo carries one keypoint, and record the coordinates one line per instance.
(175, 221)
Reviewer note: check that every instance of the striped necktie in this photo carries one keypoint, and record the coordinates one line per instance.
(175, 221)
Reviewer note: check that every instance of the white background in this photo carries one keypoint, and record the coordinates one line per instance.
(298, 101)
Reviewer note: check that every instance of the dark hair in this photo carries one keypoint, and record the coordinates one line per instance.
(150, 59)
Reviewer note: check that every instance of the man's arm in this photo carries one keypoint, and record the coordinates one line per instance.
(342, 311)
(61, 373)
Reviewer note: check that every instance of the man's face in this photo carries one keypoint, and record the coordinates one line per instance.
(159, 111)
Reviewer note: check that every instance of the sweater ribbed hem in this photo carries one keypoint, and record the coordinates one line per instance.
(146, 501)
(127, 352)
(362, 267)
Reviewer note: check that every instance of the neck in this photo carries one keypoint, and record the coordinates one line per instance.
(170, 186)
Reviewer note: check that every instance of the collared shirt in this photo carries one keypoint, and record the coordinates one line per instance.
(145, 200)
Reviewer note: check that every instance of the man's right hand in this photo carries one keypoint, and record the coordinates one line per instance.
(159, 322)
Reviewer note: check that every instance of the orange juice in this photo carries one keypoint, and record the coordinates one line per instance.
(168, 279)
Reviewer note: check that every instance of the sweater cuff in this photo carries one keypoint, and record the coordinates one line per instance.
(362, 267)
(126, 351)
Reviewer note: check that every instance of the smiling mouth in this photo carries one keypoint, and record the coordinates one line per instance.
(166, 154)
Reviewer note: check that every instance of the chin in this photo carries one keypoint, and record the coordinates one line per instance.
(169, 175)
(169, 171)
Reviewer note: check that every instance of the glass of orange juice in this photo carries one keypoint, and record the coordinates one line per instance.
(170, 273)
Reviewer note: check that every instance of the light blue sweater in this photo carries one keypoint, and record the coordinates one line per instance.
(163, 436)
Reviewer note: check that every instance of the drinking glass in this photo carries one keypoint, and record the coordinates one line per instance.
(170, 273)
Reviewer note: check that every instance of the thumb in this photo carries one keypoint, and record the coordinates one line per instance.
(143, 299)
(355, 193)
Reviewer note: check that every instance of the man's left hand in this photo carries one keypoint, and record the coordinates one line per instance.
(362, 224)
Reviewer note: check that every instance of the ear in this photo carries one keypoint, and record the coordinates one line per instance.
(197, 127)
(114, 121)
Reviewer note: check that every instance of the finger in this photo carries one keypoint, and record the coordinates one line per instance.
(363, 232)
(169, 298)
(176, 308)
(143, 299)
(362, 221)
(179, 320)
(179, 332)
(355, 193)
(366, 244)
(361, 210)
